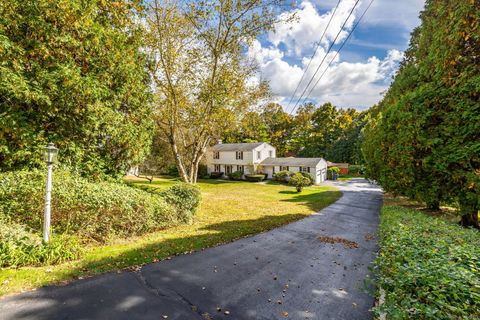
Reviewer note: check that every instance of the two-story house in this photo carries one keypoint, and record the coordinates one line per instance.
(257, 157)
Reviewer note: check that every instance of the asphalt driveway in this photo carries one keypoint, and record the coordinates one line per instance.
(292, 272)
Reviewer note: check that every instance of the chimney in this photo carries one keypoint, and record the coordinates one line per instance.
(219, 141)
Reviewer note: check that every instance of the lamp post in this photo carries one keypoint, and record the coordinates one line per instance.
(50, 157)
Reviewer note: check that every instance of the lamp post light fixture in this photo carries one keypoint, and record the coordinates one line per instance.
(50, 157)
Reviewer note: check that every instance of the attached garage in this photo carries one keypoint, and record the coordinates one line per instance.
(316, 167)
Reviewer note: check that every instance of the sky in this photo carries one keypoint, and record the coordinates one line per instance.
(359, 74)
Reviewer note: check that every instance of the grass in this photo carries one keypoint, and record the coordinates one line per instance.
(347, 177)
(229, 211)
(428, 267)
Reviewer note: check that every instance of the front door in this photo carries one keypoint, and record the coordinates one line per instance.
(228, 169)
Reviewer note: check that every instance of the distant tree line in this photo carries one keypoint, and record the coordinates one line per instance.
(423, 138)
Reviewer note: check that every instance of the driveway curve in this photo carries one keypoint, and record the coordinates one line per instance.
(292, 272)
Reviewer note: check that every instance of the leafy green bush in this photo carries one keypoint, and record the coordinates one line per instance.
(237, 175)
(21, 247)
(97, 211)
(331, 172)
(282, 176)
(428, 268)
(202, 171)
(308, 176)
(216, 175)
(172, 171)
(255, 177)
(299, 181)
(185, 198)
(355, 170)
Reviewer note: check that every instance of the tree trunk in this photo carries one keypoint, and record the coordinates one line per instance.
(470, 219)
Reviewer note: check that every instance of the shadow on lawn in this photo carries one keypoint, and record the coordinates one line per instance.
(314, 201)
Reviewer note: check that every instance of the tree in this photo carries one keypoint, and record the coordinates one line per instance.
(427, 131)
(72, 73)
(201, 73)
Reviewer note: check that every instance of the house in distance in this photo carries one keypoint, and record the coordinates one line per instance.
(260, 157)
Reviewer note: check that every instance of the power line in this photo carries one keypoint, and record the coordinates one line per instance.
(326, 54)
(314, 53)
(336, 54)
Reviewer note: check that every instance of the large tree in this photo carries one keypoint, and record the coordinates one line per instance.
(201, 76)
(427, 131)
(72, 73)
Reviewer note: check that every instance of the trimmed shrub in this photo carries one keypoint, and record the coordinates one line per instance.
(428, 268)
(237, 175)
(185, 198)
(282, 176)
(216, 175)
(21, 247)
(299, 181)
(332, 171)
(255, 177)
(308, 176)
(202, 171)
(355, 170)
(172, 171)
(91, 211)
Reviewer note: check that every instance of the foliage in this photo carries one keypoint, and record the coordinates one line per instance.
(355, 169)
(309, 177)
(428, 268)
(424, 140)
(91, 211)
(216, 175)
(282, 176)
(299, 181)
(77, 79)
(236, 175)
(171, 171)
(201, 72)
(19, 246)
(331, 171)
(185, 198)
(255, 177)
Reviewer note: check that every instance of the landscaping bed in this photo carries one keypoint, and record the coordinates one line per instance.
(427, 267)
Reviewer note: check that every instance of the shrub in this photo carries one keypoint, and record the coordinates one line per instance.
(255, 177)
(21, 247)
(299, 181)
(331, 172)
(202, 171)
(237, 175)
(428, 268)
(216, 175)
(355, 170)
(282, 176)
(308, 176)
(172, 171)
(185, 198)
(97, 211)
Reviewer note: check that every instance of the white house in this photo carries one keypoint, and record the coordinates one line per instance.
(256, 157)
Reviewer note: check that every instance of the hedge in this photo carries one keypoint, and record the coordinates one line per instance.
(236, 175)
(216, 175)
(429, 268)
(282, 176)
(255, 177)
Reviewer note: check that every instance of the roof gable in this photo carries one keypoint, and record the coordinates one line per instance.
(236, 146)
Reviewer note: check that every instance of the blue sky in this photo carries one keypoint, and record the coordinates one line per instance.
(360, 73)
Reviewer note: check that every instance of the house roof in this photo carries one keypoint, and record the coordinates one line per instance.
(236, 146)
(339, 165)
(301, 162)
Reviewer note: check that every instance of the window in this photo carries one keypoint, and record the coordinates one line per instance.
(217, 168)
(270, 153)
(240, 168)
(216, 155)
(259, 154)
(228, 169)
(273, 170)
(239, 155)
(305, 169)
(283, 168)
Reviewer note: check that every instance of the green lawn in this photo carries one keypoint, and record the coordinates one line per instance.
(346, 177)
(229, 210)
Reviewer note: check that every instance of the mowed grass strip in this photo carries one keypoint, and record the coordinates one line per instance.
(229, 211)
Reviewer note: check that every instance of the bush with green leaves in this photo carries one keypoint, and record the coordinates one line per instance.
(308, 176)
(91, 211)
(185, 198)
(282, 176)
(216, 175)
(332, 171)
(255, 177)
(236, 175)
(19, 246)
(299, 181)
(429, 268)
(355, 169)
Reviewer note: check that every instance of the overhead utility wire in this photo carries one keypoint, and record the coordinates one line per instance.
(313, 55)
(326, 54)
(339, 49)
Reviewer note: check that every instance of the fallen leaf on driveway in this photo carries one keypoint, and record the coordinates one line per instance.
(346, 243)
(285, 313)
